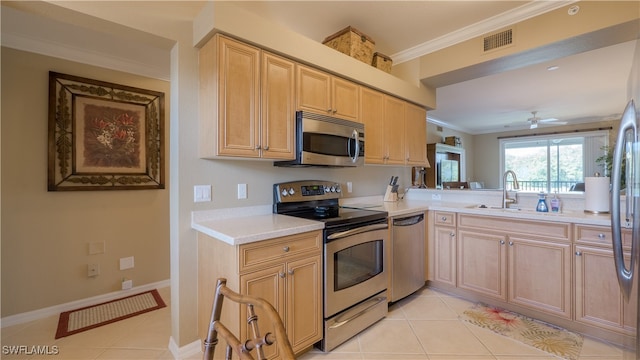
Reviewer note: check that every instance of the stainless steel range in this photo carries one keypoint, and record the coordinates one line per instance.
(355, 274)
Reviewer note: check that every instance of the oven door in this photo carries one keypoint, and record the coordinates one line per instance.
(354, 267)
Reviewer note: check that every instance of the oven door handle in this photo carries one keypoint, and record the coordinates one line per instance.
(375, 301)
(355, 231)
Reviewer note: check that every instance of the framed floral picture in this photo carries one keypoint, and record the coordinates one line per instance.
(104, 136)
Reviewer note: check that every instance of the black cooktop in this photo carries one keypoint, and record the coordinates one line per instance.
(319, 200)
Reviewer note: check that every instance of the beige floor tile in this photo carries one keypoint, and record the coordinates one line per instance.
(428, 308)
(390, 336)
(595, 348)
(462, 357)
(394, 356)
(447, 337)
(456, 304)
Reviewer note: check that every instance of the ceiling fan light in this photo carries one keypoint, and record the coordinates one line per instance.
(534, 124)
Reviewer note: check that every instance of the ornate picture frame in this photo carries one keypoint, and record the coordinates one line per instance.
(104, 136)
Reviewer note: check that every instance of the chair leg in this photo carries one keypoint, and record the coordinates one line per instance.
(212, 335)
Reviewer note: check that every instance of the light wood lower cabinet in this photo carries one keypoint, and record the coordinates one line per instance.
(285, 271)
(598, 298)
(444, 248)
(504, 260)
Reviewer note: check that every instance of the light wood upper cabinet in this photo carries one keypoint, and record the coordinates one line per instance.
(278, 107)
(394, 133)
(326, 94)
(415, 135)
(236, 81)
(372, 114)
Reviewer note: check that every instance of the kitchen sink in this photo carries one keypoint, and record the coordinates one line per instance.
(510, 209)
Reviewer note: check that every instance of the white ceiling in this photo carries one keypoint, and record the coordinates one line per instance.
(587, 87)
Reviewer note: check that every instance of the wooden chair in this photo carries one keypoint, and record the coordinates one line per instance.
(255, 341)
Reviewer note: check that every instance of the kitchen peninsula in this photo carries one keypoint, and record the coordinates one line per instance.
(545, 265)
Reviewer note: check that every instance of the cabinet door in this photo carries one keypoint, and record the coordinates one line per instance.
(598, 298)
(269, 284)
(416, 135)
(313, 90)
(346, 99)
(238, 99)
(304, 302)
(482, 263)
(278, 107)
(540, 275)
(372, 115)
(394, 110)
(445, 255)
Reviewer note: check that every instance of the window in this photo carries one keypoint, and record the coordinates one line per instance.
(553, 163)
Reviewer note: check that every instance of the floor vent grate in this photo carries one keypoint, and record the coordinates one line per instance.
(497, 40)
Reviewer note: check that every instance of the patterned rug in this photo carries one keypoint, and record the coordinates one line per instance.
(541, 335)
(90, 317)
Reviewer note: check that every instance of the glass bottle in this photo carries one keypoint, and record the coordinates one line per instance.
(542, 203)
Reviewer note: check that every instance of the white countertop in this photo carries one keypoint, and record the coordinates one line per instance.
(249, 224)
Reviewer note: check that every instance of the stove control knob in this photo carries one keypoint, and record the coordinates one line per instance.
(291, 191)
(285, 192)
(338, 188)
(326, 189)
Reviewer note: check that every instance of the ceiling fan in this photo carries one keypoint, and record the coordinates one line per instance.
(534, 121)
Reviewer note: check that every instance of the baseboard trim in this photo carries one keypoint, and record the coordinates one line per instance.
(57, 309)
(187, 351)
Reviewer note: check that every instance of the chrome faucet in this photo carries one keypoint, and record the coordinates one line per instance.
(505, 196)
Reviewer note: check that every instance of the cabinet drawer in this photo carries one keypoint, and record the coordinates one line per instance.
(600, 235)
(445, 218)
(557, 230)
(265, 252)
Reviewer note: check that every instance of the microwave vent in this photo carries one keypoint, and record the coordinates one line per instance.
(497, 40)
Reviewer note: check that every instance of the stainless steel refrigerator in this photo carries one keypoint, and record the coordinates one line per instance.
(627, 154)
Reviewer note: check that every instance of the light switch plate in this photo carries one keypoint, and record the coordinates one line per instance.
(126, 263)
(242, 191)
(201, 193)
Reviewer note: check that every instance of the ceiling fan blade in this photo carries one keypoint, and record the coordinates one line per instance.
(548, 120)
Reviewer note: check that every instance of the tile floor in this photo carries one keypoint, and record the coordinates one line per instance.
(423, 326)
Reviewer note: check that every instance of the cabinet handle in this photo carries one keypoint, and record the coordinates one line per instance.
(501, 242)
(578, 253)
(452, 235)
(329, 111)
(510, 243)
(291, 272)
(601, 236)
(444, 218)
(282, 275)
(266, 147)
(285, 249)
(258, 147)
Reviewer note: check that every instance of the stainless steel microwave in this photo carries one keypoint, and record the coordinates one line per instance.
(326, 141)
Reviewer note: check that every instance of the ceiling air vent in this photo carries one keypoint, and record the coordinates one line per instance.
(497, 40)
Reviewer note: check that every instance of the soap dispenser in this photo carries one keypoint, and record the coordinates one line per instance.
(555, 203)
(542, 203)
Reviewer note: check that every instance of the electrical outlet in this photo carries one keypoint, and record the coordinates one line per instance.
(93, 270)
(349, 186)
(127, 284)
(201, 193)
(242, 191)
(126, 263)
(436, 197)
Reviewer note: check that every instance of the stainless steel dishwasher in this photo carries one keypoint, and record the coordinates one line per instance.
(407, 253)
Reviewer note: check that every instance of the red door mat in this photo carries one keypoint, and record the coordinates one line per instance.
(90, 317)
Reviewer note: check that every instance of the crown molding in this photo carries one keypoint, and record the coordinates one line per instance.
(494, 23)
